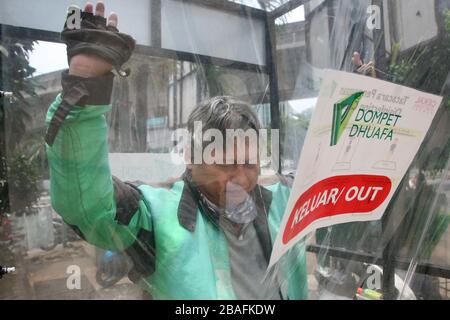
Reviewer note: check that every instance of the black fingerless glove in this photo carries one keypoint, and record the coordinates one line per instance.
(95, 37)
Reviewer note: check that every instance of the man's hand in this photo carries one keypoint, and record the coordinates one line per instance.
(89, 65)
(363, 68)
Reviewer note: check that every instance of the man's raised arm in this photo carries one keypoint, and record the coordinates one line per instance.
(106, 212)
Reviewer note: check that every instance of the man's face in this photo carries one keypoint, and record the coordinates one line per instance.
(227, 184)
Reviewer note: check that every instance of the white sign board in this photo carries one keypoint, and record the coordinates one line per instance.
(362, 138)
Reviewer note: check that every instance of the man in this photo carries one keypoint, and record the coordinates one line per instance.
(207, 236)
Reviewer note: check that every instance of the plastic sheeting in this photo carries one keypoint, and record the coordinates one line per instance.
(403, 256)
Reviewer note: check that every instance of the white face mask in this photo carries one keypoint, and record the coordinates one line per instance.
(243, 212)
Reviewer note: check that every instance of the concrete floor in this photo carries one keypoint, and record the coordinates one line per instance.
(43, 275)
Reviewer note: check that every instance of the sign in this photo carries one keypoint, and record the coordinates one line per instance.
(362, 138)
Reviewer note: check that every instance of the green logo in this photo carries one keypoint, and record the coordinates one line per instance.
(342, 112)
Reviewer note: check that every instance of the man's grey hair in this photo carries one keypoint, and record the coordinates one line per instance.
(224, 112)
(221, 113)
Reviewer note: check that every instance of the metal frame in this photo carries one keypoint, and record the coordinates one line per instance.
(271, 65)
(155, 23)
(424, 268)
(50, 36)
(287, 7)
(231, 7)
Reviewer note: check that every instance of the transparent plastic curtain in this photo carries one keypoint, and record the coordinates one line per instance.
(228, 59)
(147, 108)
(414, 229)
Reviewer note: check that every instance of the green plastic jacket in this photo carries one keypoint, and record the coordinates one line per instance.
(178, 253)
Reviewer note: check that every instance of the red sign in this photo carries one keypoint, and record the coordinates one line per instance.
(336, 196)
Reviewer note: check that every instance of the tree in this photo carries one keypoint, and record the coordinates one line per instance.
(15, 77)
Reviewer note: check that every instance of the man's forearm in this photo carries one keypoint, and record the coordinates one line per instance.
(81, 185)
(79, 172)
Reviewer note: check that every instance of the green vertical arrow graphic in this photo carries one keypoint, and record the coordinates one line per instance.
(342, 112)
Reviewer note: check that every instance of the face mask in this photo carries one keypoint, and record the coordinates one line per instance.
(241, 213)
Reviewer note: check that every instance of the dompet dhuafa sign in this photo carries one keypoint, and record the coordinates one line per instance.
(362, 138)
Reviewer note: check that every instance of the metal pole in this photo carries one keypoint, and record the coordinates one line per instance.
(388, 283)
(155, 23)
(271, 65)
